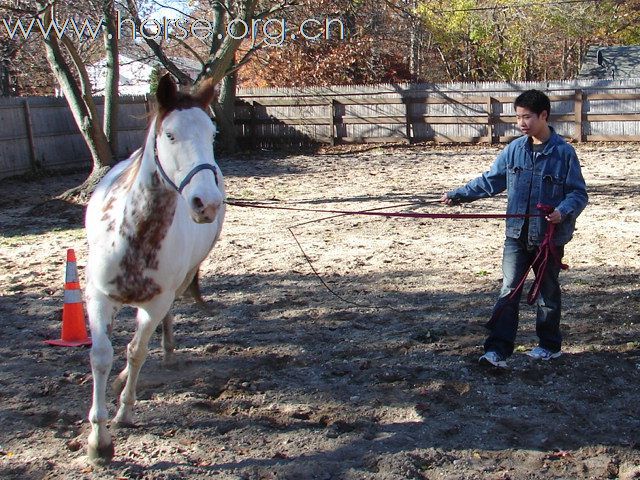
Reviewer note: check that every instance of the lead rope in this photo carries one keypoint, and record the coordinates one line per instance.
(546, 250)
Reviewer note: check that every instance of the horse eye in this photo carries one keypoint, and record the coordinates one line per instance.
(170, 136)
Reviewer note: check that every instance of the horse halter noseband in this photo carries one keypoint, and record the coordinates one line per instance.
(190, 175)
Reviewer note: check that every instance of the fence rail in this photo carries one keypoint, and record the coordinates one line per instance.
(41, 132)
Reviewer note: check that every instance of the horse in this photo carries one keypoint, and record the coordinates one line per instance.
(150, 223)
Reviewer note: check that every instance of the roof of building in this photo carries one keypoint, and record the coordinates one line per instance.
(611, 63)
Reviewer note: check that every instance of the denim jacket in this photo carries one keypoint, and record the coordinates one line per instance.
(553, 177)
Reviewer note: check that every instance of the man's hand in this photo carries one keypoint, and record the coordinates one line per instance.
(554, 217)
(446, 200)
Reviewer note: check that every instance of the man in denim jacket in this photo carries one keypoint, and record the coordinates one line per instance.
(539, 167)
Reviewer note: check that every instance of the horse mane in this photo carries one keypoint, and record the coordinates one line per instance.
(128, 174)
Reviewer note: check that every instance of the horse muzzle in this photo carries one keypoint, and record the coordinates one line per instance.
(201, 213)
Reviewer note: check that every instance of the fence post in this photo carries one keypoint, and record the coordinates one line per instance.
(578, 111)
(33, 159)
(253, 125)
(490, 129)
(407, 112)
(333, 132)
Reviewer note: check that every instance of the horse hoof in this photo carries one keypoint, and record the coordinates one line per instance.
(170, 362)
(101, 456)
(210, 308)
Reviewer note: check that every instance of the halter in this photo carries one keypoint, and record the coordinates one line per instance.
(190, 175)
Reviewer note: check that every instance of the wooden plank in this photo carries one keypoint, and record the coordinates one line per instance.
(490, 128)
(284, 121)
(552, 98)
(437, 138)
(577, 108)
(253, 125)
(408, 128)
(33, 160)
(613, 117)
(613, 96)
(398, 139)
(451, 120)
(277, 138)
(390, 120)
(613, 138)
(333, 133)
(511, 119)
(455, 139)
(284, 102)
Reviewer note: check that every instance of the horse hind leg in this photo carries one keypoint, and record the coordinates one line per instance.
(148, 319)
(168, 341)
(194, 291)
(101, 311)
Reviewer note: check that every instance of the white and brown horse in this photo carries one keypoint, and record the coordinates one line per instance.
(150, 223)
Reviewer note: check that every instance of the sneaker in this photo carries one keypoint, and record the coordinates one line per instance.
(494, 359)
(541, 353)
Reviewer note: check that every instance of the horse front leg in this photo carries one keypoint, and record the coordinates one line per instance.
(148, 319)
(101, 311)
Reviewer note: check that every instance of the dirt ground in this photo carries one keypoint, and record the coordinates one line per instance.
(287, 381)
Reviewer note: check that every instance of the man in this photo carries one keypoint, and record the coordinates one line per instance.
(539, 167)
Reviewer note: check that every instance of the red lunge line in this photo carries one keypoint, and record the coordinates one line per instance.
(386, 214)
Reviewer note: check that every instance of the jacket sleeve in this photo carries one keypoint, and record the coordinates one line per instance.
(488, 184)
(576, 197)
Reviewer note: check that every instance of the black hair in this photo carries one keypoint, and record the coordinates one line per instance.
(534, 100)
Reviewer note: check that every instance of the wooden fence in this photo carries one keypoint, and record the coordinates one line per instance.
(583, 111)
(40, 133)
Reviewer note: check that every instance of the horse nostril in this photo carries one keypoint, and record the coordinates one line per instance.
(197, 204)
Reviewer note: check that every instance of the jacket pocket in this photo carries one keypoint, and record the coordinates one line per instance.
(513, 173)
(553, 187)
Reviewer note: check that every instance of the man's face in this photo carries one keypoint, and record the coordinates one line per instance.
(531, 124)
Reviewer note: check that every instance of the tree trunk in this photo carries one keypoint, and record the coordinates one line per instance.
(111, 97)
(220, 60)
(5, 83)
(225, 114)
(82, 107)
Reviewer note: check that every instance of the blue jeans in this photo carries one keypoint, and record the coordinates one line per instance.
(503, 324)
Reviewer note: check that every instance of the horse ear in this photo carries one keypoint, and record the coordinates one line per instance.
(207, 93)
(167, 92)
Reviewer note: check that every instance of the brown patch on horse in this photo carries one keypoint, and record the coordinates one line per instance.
(144, 234)
(106, 217)
(124, 181)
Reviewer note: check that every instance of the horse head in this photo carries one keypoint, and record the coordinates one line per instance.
(184, 148)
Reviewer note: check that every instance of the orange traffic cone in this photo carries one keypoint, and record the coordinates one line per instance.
(74, 329)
